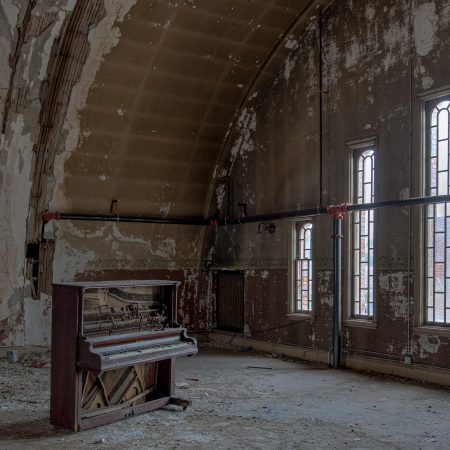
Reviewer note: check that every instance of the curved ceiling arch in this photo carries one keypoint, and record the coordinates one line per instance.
(165, 98)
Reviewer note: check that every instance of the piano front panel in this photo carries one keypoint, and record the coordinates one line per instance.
(118, 389)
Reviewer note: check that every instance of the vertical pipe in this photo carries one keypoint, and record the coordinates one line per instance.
(337, 291)
(411, 125)
(320, 108)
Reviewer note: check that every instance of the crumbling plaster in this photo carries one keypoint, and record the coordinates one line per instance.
(272, 156)
(20, 84)
(369, 51)
(79, 251)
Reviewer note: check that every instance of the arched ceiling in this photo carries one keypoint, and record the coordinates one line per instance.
(164, 98)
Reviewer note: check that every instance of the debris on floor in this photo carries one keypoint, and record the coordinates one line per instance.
(287, 407)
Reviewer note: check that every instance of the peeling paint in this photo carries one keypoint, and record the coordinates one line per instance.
(429, 344)
(99, 47)
(324, 287)
(425, 20)
(393, 287)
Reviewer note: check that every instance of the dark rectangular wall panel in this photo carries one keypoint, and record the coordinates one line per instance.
(230, 300)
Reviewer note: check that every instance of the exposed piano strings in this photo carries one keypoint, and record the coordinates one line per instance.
(122, 310)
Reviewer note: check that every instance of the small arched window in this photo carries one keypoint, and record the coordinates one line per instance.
(303, 268)
(363, 235)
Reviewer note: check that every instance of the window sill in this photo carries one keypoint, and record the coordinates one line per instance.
(299, 317)
(360, 323)
(434, 330)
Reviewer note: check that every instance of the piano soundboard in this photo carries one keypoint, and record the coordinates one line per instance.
(114, 346)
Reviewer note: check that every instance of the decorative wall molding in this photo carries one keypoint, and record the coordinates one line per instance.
(142, 264)
(254, 263)
(323, 263)
(397, 262)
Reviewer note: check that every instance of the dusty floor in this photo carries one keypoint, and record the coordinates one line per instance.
(275, 404)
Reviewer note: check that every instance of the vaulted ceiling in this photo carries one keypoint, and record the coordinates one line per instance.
(166, 95)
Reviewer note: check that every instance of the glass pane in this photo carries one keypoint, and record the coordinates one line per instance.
(364, 275)
(443, 156)
(447, 266)
(364, 303)
(430, 262)
(442, 183)
(430, 231)
(356, 288)
(433, 172)
(439, 305)
(439, 277)
(443, 124)
(356, 234)
(440, 212)
(439, 247)
(308, 240)
(298, 270)
(430, 293)
(364, 222)
(356, 262)
(367, 170)
(434, 115)
(364, 249)
(434, 141)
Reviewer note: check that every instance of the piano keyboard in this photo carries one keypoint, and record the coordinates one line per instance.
(179, 346)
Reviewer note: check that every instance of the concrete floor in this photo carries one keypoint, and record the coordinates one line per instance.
(278, 405)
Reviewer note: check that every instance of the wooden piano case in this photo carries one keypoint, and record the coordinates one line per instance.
(114, 346)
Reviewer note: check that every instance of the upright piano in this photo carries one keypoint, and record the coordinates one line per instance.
(114, 346)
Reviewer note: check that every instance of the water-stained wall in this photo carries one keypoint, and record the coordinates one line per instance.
(378, 58)
(153, 104)
(118, 108)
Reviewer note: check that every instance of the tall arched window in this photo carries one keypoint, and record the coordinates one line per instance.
(363, 235)
(437, 217)
(303, 267)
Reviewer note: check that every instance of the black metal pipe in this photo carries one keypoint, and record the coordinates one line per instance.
(323, 210)
(403, 202)
(337, 291)
(249, 219)
(134, 219)
(276, 216)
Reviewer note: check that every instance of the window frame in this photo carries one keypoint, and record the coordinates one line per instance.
(293, 313)
(429, 102)
(355, 149)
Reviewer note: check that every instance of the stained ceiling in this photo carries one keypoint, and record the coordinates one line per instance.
(164, 99)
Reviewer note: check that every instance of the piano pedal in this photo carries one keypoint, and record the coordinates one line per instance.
(180, 402)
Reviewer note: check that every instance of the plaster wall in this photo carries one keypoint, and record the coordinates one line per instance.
(50, 55)
(378, 58)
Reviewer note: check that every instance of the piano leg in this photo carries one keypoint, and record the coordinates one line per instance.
(166, 383)
(166, 377)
